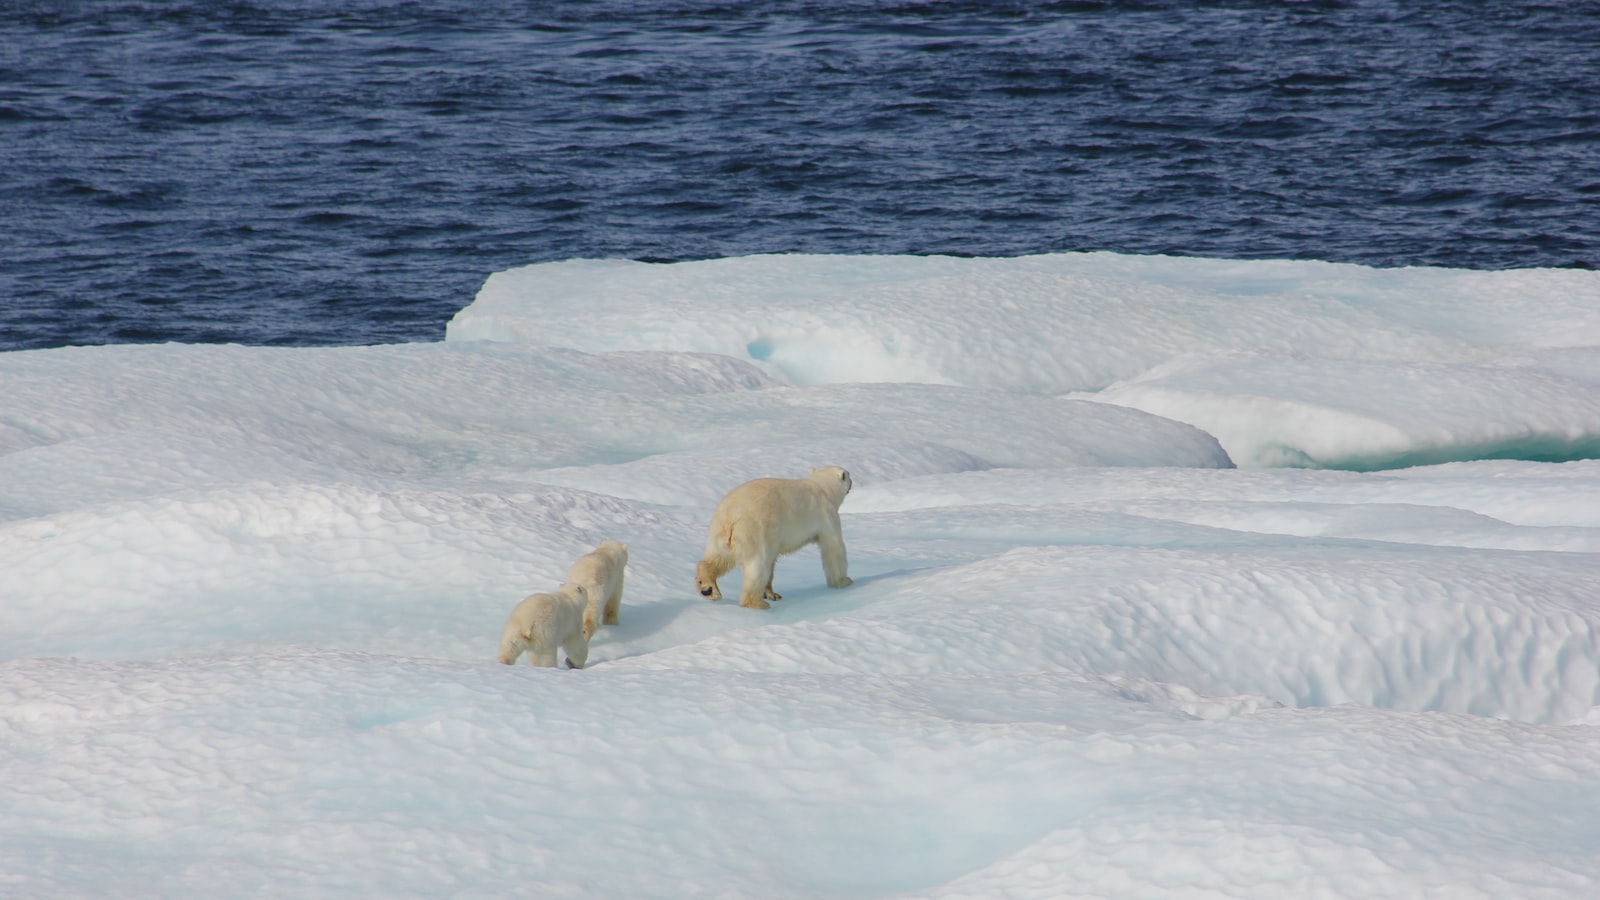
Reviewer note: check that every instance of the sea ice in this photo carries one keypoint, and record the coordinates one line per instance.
(250, 597)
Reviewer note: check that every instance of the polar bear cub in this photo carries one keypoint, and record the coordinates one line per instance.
(600, 572)
(543, 622)
(760, 520)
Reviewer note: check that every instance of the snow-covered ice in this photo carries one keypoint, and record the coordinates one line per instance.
(250, 597)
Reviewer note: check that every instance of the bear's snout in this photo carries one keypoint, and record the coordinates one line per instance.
(705, 592)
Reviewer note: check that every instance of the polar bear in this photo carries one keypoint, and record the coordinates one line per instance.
(600, 571)
(543, 622)
(760, 520)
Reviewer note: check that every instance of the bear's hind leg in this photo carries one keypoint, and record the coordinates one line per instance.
(541, 654)
(614, 605)
(577, 648)
(757, 583)
(511, 647)
(706, 574)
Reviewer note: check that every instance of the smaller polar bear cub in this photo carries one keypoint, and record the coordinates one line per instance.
(600, 571)
(543, 622)
(761, 520)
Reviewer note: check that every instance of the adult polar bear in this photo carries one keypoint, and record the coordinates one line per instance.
(760, 520)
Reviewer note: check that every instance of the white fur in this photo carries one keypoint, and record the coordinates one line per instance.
(600, 572)
(760, 520)
(543, 622)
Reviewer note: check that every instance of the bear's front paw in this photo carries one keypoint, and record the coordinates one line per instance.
(841, 583)
(754, 603)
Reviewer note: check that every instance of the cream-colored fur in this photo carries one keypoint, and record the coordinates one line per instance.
(543, 622)
(760, 520)
(600, 571)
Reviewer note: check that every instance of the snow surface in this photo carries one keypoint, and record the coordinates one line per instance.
(1287, 363)
(250, 597)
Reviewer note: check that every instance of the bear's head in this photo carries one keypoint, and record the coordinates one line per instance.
(835, 480)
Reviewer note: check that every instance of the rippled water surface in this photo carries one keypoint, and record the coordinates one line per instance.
(349, 172)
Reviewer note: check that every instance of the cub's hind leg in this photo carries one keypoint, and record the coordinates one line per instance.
(613, 608)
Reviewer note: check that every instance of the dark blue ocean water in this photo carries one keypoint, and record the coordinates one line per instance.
(299, 172)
